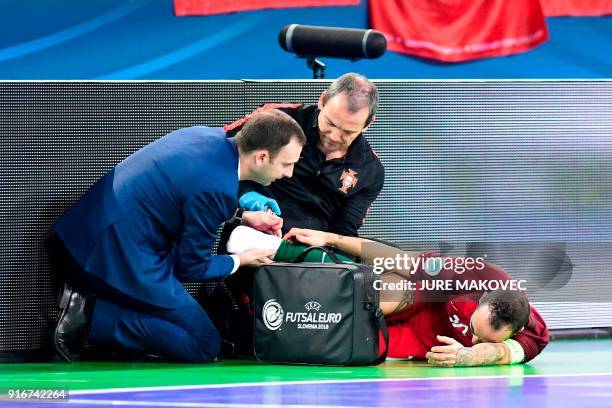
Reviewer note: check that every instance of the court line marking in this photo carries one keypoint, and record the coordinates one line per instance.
(510, 81)
(167, 60)
(311, 382)
(67, 34)
(203, 404)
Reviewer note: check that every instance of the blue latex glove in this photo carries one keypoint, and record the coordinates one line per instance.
(253, 201)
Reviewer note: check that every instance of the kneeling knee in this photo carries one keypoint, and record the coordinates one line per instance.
(207, 348)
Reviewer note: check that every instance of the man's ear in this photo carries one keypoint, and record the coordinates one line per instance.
(322, 100)
(262, 157)
(369, 124)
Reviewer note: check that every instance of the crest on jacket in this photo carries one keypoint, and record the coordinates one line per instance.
(349, 180)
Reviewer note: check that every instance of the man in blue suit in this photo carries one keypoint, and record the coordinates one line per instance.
(151, 222)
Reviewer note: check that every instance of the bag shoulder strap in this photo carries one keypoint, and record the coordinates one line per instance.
(385, 332)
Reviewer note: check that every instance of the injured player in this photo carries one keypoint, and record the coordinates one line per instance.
(449, 326)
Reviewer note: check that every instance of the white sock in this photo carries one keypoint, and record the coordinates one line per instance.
(245, 238)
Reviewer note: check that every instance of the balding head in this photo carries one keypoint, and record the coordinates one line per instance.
(360, 92)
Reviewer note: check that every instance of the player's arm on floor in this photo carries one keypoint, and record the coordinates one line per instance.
(523, 347)
(454, 354)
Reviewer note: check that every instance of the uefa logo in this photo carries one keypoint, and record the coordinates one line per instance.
(272, 314)
(312, 305)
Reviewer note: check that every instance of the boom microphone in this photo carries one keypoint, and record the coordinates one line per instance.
(334, 42)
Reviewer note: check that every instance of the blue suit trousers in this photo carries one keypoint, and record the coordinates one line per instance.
(185, 333)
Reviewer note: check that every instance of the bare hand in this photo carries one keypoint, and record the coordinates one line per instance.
(266, 222)
(308, 237)
(256, 257)
(447, 355)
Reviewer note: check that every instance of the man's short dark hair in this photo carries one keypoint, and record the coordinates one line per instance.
(508, 308)
(360, 92)
(270, 130)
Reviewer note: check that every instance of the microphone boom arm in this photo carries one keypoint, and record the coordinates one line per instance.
(317, 67)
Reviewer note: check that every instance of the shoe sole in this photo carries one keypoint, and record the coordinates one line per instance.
(63, 300)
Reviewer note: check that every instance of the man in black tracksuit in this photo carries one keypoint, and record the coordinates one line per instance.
(338, 175)
(334, 182)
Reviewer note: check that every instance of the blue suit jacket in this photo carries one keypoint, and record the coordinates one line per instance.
(153, 219)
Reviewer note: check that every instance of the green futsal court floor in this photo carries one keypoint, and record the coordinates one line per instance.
(561, 357)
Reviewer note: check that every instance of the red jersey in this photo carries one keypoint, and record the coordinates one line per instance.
(412, 333)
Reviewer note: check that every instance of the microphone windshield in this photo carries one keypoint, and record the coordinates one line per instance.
(334, 42)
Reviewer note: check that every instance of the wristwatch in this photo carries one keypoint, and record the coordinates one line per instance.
(238, 213)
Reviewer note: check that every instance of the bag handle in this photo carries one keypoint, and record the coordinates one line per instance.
(329, 253)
